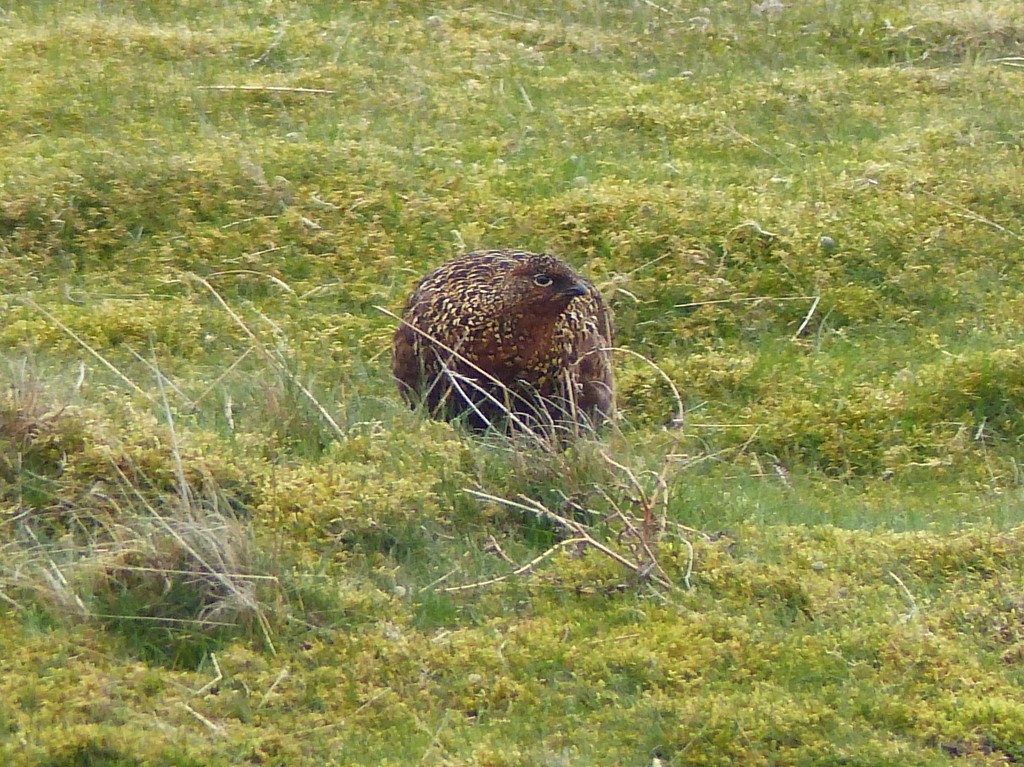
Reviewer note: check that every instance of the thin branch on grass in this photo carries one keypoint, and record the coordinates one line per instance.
(515, 16)
(323, 203)
(162, 619)
(756, 226)
(438, 581)
(746, 299)
(55, 579)
(172, 571)
(759, 148)
(222, 376)
(266, 89)
(66, 295)
(525, 95)
(690, 556)
(970, 215)
(284, 674)
(270, 49)
(657, 7)
(79, 381)
(494, 546)
(651, 526)
(155, 371)
(578, 529)
(249, 220)
(739, 450)
(435, 736)
(344, 720)
(17, 607)
(518, 571)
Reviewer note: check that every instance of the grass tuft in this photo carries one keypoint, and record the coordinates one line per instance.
(167, 563)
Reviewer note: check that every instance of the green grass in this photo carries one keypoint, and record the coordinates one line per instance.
(225, 540)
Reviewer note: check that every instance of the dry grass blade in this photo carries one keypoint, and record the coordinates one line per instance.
(153, 368)
(660, 8)
(179, 469)
(227, 371)
(525, 568)
(651, 526)
(964, 212)
(216, 728)
(578, 529)
(240, 594)
(74, 336)
(267, 355)
(265, 89)
(744, 300)
(276, 280)
(807, 318)
(912, 610)
(217, 679)
(680, 416)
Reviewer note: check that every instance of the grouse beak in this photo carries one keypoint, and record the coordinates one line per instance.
(574, 290)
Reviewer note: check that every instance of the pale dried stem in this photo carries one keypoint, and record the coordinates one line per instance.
(907, 597)
(807, 318)
(259, 346)
(276, 280)
(744, 300)
(577, 529)
(202, 719)
(156, 372)
(265, 89)
(213, 682)
(680, 416)
(283, 675)
(222, 376)
(519, 570)
(103, 360)
(647, 534)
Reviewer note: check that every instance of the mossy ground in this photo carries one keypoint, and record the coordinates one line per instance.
(224, 539)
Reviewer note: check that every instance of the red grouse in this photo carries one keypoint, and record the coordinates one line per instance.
(507, 339)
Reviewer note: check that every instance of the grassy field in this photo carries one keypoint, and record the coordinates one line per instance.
(225, 541)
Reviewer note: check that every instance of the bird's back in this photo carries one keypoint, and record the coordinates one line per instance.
(506, 335)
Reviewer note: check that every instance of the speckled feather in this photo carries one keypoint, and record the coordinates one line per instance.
(524, 328)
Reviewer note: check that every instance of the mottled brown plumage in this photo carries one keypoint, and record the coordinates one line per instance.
(505, 331)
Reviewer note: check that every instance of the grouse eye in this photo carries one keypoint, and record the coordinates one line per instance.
(542, 281)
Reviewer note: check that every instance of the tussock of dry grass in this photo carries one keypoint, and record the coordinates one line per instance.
(90, 535)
